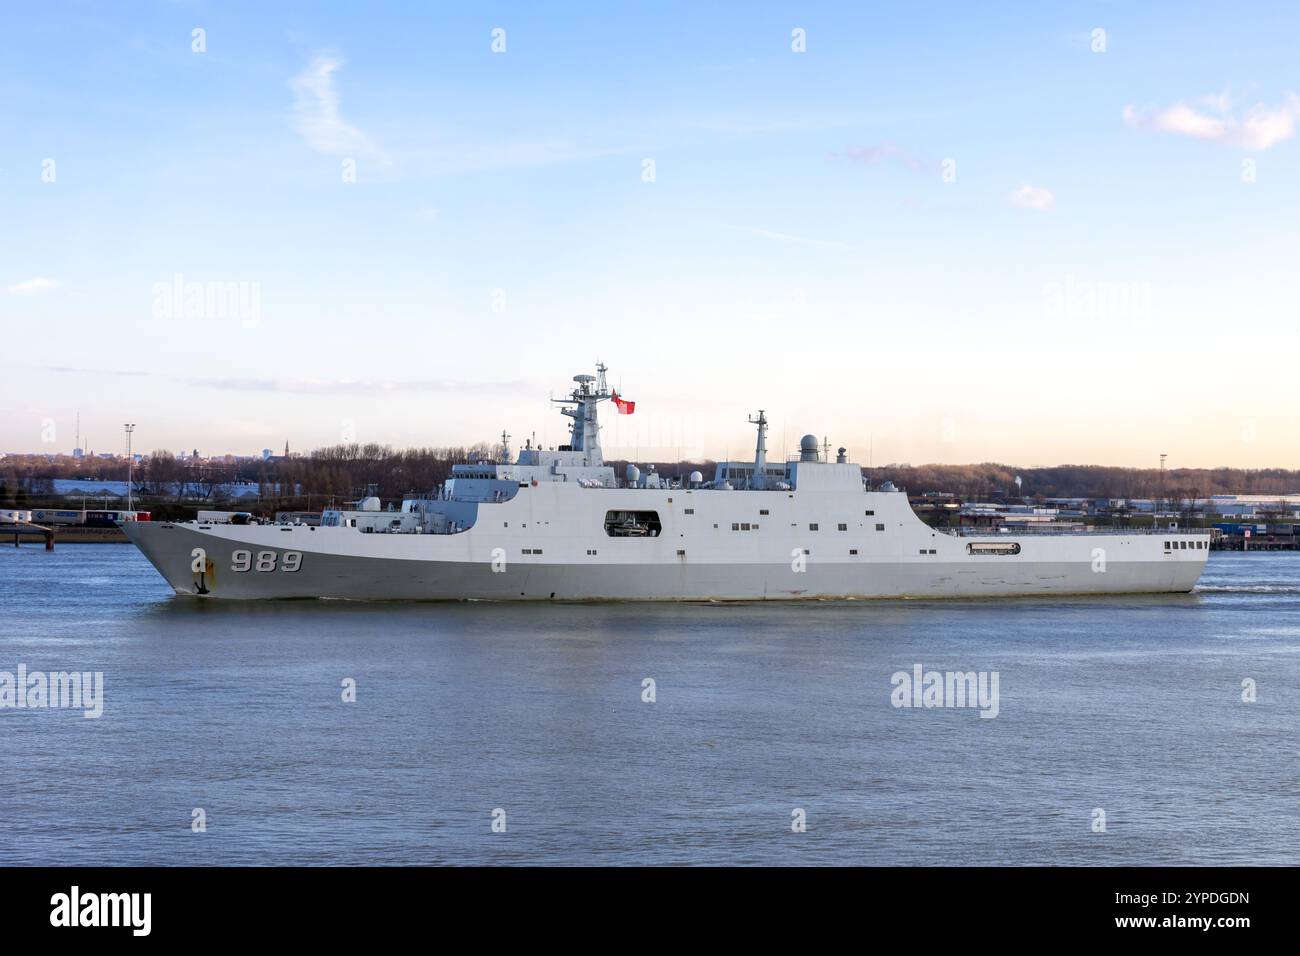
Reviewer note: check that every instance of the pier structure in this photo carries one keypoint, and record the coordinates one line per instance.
(21, 529)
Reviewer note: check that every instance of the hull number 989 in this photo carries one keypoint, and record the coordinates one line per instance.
(265, 561)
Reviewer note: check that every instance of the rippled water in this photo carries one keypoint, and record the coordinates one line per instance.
(1130, 705)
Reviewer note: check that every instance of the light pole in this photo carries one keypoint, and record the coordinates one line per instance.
(130, 462)
(1163, 456)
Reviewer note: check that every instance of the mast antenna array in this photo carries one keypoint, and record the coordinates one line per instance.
(584, 431)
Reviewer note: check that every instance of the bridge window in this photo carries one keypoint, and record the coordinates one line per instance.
(812, 527)
(632, 524)
(842, 527)
(880, 527)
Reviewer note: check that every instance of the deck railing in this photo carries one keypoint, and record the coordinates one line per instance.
(1005, 531)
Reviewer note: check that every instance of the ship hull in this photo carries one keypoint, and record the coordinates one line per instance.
(333, 563)
(556, 524)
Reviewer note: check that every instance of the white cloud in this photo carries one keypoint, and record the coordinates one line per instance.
(1263, 126)
(33, 286)
(1258, 128)
(350, 386)
(1034, 197)
(874, 155)
(316, 112)
(1180, 119)
(1219, 102)
(791, 238)
(319, 386)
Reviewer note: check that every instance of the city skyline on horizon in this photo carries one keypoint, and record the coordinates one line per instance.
(1040, 236)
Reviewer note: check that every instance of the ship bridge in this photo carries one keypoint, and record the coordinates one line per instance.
(579, 461)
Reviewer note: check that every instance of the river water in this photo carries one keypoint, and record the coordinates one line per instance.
(772, 736)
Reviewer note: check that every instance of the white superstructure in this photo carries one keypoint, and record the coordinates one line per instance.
(560, 524)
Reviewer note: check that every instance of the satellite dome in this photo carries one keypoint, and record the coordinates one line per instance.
(633, 474)
(696, 478)
(808, 443)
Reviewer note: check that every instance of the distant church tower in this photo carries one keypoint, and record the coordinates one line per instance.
(286, 448)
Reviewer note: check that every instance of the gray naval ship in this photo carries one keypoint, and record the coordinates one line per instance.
(559, 524)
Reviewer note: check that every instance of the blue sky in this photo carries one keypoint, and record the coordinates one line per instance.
(1108, 275)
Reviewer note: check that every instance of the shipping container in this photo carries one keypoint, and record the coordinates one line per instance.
(49, 517)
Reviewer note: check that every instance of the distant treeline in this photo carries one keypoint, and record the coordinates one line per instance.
(342, 472)
(345, 472)
(989, 480)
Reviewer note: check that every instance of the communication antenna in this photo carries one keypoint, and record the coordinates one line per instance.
(759, 478)
(1163, 456)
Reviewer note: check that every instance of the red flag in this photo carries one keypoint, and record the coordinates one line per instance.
(623, 405)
